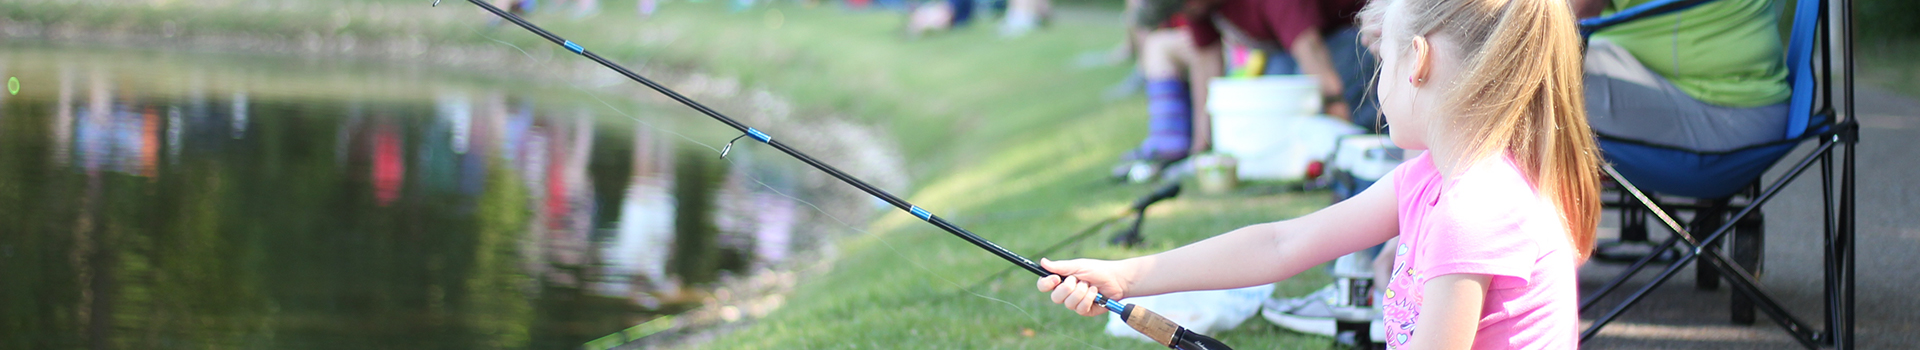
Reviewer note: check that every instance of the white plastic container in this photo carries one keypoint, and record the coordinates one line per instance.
(1297, 95)
(1368, 157)
(1271, 124)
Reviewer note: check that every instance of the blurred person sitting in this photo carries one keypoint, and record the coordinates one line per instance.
(938, 16)
(1024, 16)
(1313, 37)
(1712, 77)
(516, 7)
(1170, 64)
(1709, 78)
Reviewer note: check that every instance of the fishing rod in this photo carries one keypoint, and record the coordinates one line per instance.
(1137, 211)
(1162, 330)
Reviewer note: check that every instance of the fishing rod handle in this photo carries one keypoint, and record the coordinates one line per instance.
(1161, 329)
(1151, 324)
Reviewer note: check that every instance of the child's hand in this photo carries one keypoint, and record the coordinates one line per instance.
(1085, 278)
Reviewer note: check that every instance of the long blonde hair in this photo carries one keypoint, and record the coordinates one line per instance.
(1520, 92)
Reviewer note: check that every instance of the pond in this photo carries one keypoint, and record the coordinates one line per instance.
(170, 200)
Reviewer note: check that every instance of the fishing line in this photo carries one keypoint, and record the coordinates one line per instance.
(724, 150)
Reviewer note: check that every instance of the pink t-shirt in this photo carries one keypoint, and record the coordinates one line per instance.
(1486, 221)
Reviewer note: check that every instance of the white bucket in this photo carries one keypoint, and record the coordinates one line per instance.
(1296, 95)
(1272, 125)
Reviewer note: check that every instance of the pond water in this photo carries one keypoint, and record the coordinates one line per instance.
(154, 200)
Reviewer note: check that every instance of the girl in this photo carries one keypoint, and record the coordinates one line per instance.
(1492, 219)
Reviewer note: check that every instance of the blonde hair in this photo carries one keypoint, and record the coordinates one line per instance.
(1519, 91)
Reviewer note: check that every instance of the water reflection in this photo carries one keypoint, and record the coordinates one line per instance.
(205, 214)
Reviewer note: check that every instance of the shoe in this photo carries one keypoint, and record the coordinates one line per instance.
(1310, 314)
(1314, 314)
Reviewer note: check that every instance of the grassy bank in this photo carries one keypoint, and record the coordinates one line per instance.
(1003, 136)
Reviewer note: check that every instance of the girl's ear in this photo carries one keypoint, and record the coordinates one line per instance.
(1422, 60)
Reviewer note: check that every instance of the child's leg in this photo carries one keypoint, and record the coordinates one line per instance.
(1169, 104)
(1170, 120)
(1166, 58)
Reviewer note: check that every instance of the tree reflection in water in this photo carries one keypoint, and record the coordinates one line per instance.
(206, 214)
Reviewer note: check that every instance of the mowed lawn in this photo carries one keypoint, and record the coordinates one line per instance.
(1005, 137)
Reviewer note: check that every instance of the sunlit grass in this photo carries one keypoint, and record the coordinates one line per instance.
(1008, 142)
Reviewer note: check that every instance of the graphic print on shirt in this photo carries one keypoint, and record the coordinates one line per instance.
(1403, 305)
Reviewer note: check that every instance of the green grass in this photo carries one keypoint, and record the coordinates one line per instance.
(1002, 137)
(901, 285)
(1005, 140)
(1887, 41)
(1890, 63)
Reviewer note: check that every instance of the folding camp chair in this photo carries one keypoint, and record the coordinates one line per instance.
(1728, 182)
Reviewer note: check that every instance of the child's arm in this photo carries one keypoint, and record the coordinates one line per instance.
(1450, 311)
(1252, 255)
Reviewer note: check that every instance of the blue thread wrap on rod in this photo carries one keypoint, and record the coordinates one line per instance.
(574, 47)
(757, 135)
(922, 213)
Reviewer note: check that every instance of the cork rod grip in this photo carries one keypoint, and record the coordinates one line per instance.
(1151, 324)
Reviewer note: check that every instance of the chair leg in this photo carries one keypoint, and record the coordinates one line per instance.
(1749, 248)
(1744, 282)
(1705, 220)
(1633, 233)
(1633, 220)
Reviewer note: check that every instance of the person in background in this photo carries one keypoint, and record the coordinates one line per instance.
(1024, 16)
(1175, 72)
(938, 16)
(1312, 37)
(1710, 78)
(517, 7)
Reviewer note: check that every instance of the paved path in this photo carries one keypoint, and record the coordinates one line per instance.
(1678, 316)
